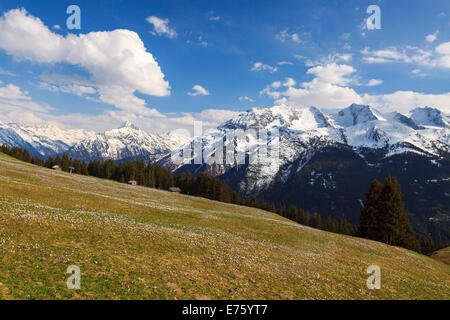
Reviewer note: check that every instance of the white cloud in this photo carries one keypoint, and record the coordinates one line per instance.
(117, 60)
(443, 51)
(330, 90)
(432, 37)
(17, 105)
(68, 84)
(419, 73)
(332, 73)
(282, 63)
(198, 90)
(11, 91)
(259, 66)
(161, 27)
(286, 36)
(214, 18)
(439, 57)
(374, 82)
(246, 99)
(327, 89)
(404, 101)
(289, 82)
(331, 58)
(110, 119)
(73, 89)
(391, 54)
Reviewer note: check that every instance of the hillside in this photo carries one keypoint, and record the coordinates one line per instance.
(140, 243)
(442, 255)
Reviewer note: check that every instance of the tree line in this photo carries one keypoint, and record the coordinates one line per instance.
(205, 185)
(144, 174)
(382, 219)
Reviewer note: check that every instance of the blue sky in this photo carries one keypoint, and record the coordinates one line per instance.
(239, 53)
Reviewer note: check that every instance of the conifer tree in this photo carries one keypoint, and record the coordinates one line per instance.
(368, 224)
(384, 217)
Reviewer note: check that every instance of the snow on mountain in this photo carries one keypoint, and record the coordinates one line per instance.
(356, 114)
(46, 140)
(279, 117)
(127, 142)
(430, 117)
(10, 137)
(304, 131)
(50, 139)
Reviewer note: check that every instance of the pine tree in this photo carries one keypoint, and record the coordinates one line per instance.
(368, 224)
(384, 217)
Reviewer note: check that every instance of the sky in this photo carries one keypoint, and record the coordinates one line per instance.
(164, 64)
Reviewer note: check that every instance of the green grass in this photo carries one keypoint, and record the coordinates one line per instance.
(139, 243)
(442, 255)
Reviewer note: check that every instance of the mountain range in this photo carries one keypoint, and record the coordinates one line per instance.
(128, 142)
(325, 164)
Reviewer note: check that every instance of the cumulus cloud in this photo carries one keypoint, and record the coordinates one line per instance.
(198, 90)
(330, 89)
(332, 73)
(161, 27)
(404, 101)
(443, 51)
(116, 60)
(289, 82)
(259, 66)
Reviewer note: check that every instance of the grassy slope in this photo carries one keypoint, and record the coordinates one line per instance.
(140, 243)
(442, 255)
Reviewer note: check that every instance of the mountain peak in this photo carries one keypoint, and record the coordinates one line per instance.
(279, 116)
(128, 124)
(356, 114)
(428, 116)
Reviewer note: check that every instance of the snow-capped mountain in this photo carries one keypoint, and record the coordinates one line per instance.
(126, 143)
(303, 131)
(45, 140)
(326, 162)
